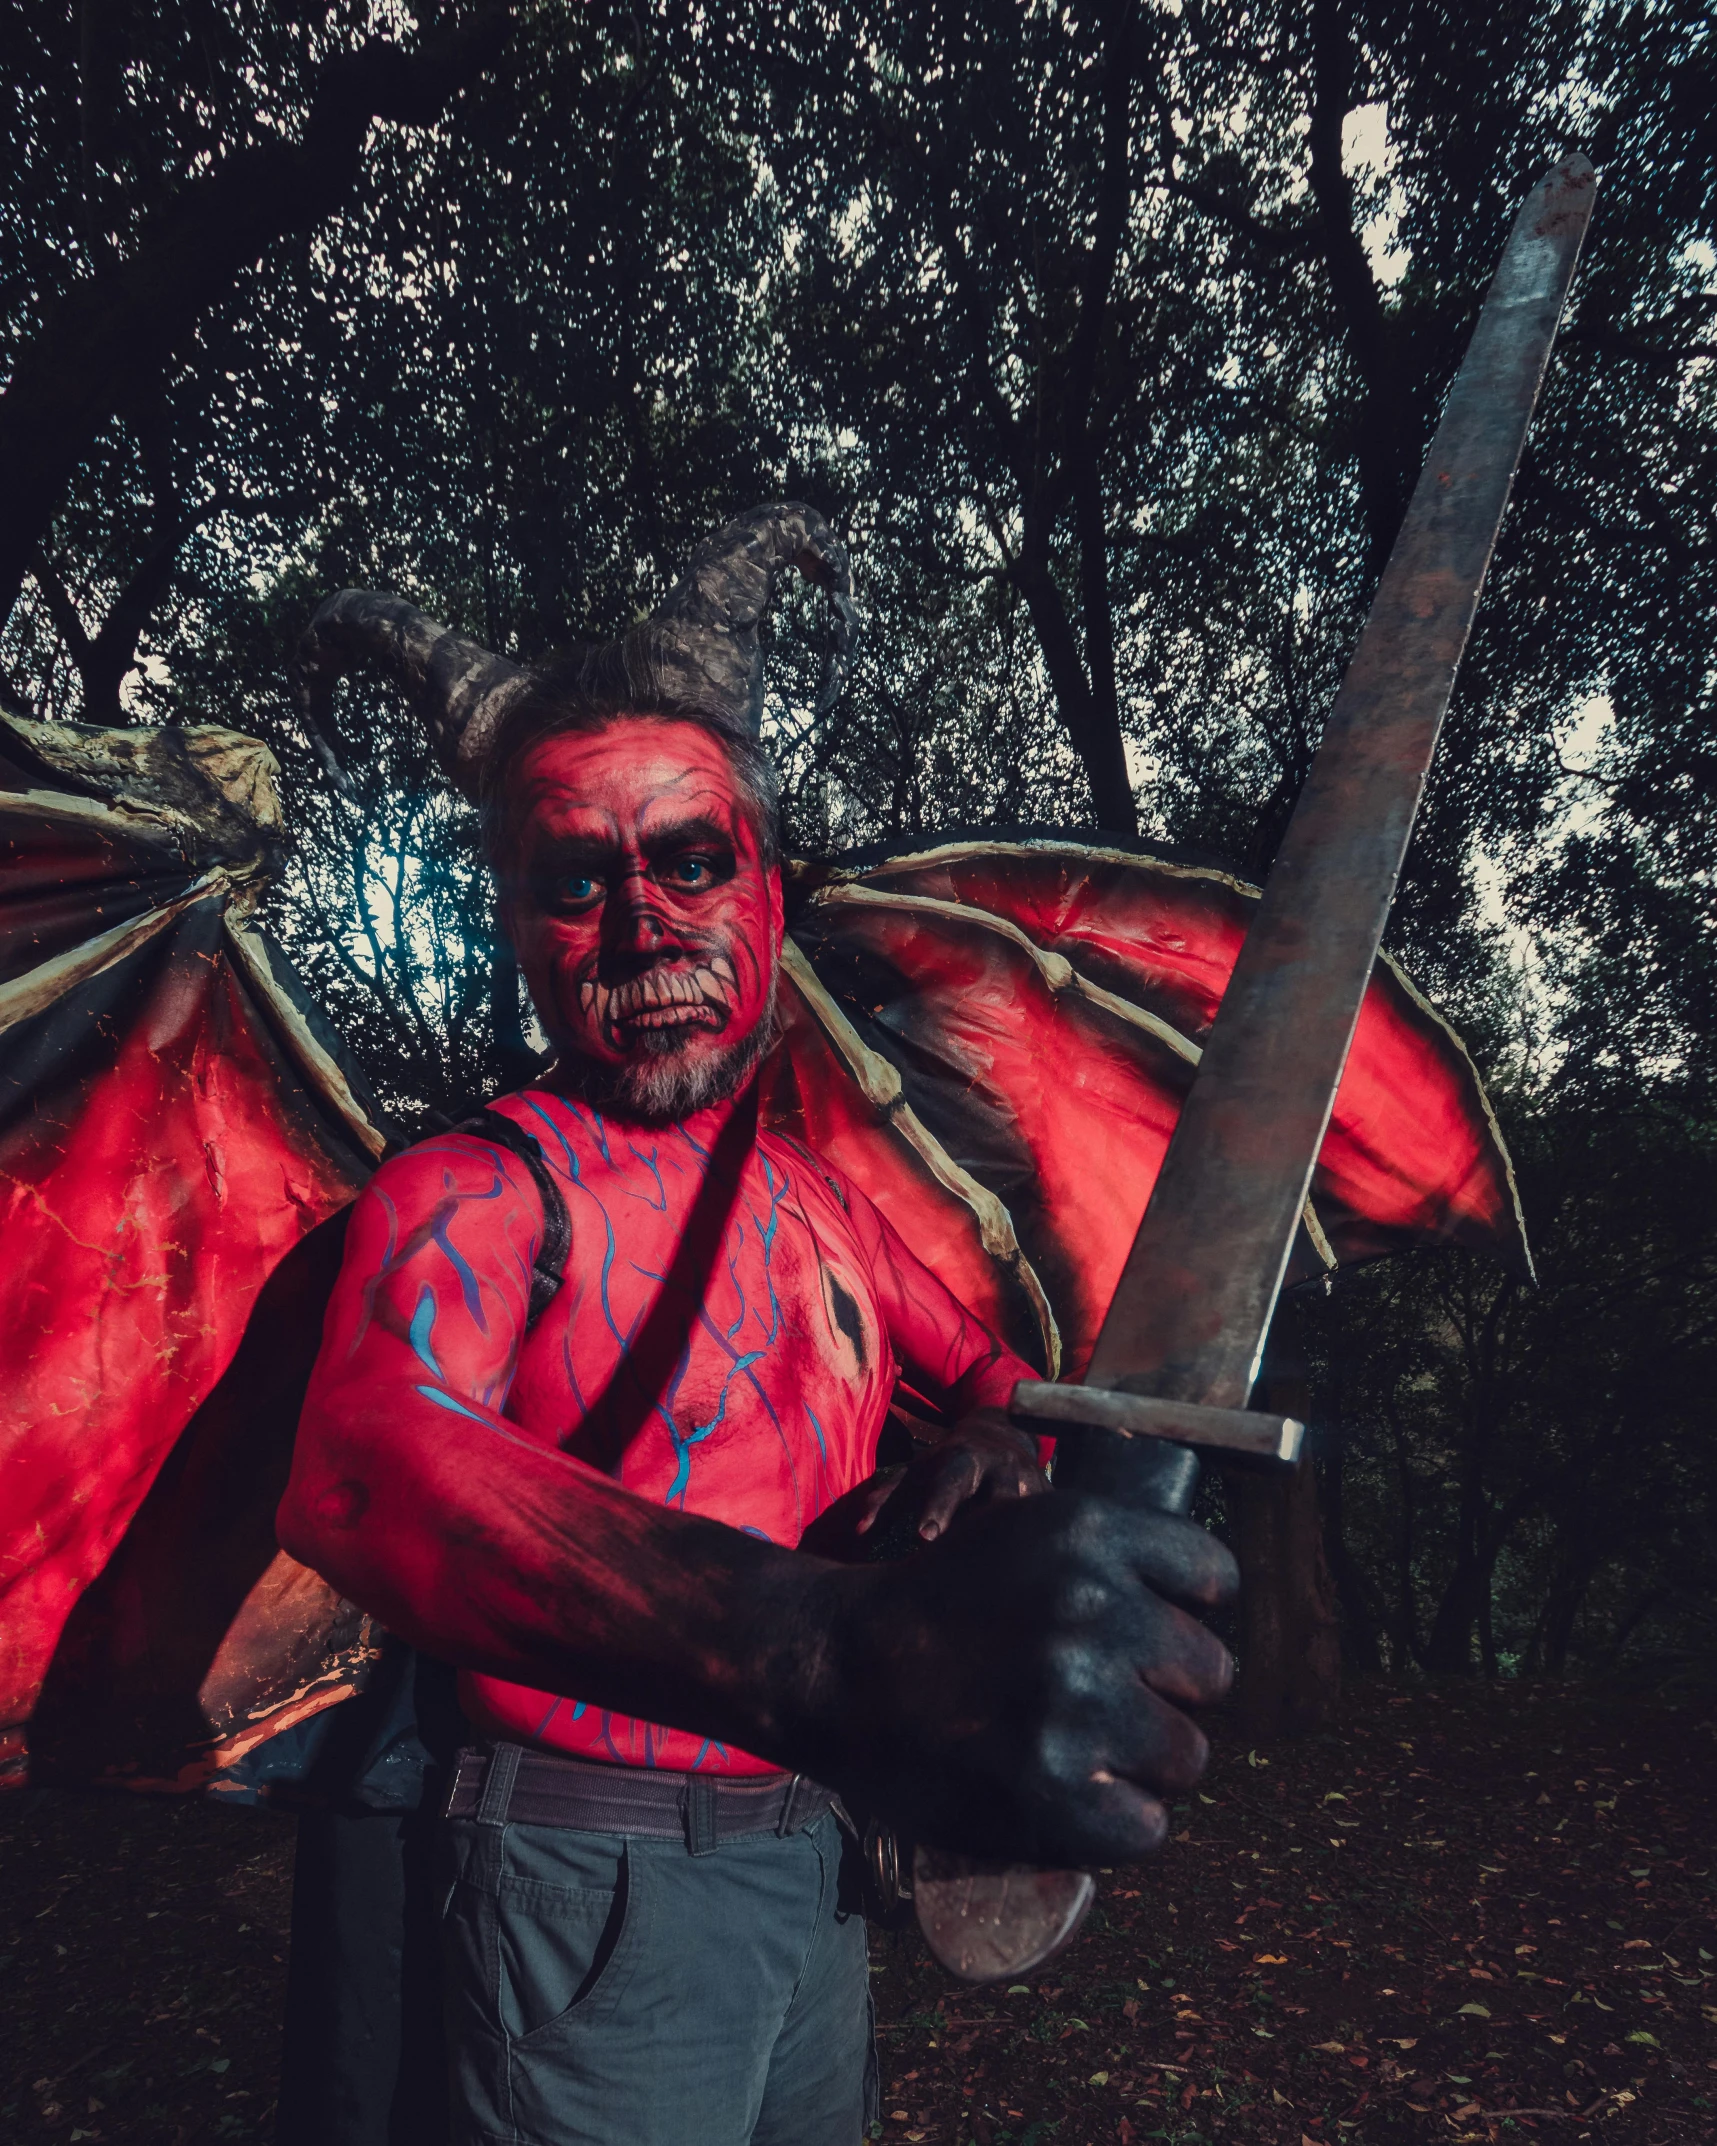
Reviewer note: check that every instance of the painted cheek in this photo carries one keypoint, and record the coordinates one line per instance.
(753, 935)
(554, 952)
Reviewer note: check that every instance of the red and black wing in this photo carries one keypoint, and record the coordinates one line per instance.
(178, 1141)
(994, 1036)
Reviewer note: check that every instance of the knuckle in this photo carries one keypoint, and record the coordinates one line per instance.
(1221, 1577)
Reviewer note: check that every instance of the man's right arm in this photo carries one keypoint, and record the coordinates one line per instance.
(1014, 1688)
(491, 1549)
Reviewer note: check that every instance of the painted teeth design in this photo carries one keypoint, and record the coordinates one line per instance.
(659, 997)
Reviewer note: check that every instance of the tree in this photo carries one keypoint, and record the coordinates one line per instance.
(1112, 339)
(211, 187)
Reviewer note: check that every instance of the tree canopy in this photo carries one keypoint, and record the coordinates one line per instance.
(1112, 339)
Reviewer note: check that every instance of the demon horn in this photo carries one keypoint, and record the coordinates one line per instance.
(459, 689)
(705, 643)
(709, 619)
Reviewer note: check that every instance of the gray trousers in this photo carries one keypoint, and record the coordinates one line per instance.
(613, 1991)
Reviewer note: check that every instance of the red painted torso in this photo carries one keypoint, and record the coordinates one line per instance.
(761, 1415)
(725, 1340)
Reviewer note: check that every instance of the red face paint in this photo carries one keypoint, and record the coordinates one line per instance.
(646, 922)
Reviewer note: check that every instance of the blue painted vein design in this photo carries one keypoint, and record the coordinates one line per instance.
(422, 1332)
(462, 1268)
(683, 1444)
(537, 1110)
(457, 1408)
(660, 1202)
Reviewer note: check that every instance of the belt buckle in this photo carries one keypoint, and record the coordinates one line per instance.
(888, 1878)
(784, 1825)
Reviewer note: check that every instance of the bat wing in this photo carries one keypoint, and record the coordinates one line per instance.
(993, 1036)
(179, 1139)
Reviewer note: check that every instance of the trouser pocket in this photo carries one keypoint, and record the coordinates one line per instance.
(540, 1939)
(554, 1946)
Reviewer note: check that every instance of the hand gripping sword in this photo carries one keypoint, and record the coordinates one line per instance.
(1180, 1348)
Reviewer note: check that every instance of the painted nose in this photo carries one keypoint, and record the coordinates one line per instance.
(636, 925)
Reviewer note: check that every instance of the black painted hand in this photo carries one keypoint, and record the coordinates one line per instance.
(1017, 1688)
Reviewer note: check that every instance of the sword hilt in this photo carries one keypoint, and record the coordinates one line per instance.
(986, 1921)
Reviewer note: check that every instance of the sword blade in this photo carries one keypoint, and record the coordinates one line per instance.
(1195, 1299)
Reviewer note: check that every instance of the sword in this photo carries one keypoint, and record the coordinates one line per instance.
(1180, 1347)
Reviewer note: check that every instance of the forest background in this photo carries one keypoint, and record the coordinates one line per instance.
(1112, 338)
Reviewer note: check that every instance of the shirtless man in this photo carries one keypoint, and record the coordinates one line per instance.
(596, 1514)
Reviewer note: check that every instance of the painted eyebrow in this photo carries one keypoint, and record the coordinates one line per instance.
(565, 853)
(699, 831)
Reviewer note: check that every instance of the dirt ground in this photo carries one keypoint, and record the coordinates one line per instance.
(1470, 1913)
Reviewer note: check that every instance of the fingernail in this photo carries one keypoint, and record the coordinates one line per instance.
(930, 1529)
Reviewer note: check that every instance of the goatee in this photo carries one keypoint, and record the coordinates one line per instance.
(665, 1082)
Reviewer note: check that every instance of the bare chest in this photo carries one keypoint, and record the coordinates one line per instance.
(716, 1342)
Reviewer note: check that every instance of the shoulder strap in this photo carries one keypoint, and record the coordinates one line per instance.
(550, 1263)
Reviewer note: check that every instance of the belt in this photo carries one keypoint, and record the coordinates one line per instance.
(507, 1784)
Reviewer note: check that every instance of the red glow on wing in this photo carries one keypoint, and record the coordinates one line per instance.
(1412, 1154)
(1060, 1106)
(144, 1204)
(810, 1094)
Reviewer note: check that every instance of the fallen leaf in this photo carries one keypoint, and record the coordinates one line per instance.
(1269, 1959)
(1650, 2041)
(1331, 2049)
(1478, 2011)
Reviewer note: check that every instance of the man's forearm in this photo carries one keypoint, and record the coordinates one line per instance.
(499, 1555)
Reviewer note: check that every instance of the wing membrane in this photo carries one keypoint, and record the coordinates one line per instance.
(170, 1158)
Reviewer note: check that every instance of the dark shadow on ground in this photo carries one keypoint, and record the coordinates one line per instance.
(1458, 1904)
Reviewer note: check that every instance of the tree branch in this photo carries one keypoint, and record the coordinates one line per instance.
(1104, 752)
(105, 658)
(1381, 430)
(133, 314)
(1282, 242)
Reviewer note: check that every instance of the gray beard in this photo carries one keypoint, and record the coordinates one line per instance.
(661, 1086)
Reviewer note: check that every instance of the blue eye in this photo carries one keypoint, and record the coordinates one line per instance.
(578, 887)
(691, 871)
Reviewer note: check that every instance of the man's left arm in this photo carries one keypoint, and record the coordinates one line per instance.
(954, 1361)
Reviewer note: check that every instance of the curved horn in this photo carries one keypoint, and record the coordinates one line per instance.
(712, 613)
(459, 689)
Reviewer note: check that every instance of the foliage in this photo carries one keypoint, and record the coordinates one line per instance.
(1113, 339)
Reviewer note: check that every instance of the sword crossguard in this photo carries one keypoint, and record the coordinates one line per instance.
(1138, 1415)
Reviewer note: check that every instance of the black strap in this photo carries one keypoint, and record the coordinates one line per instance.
(498, 1781)
(550, 1263)
(701, 1835)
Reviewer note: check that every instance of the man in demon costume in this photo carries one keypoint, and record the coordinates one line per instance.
(595, 1382)
(601, 1515)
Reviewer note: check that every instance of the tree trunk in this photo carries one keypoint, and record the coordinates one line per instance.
(1362, 1617)
(1290, 1626)
(1449, 1650)
(1290, 1631)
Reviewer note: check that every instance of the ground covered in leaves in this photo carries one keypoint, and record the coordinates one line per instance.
(1469, 1913)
